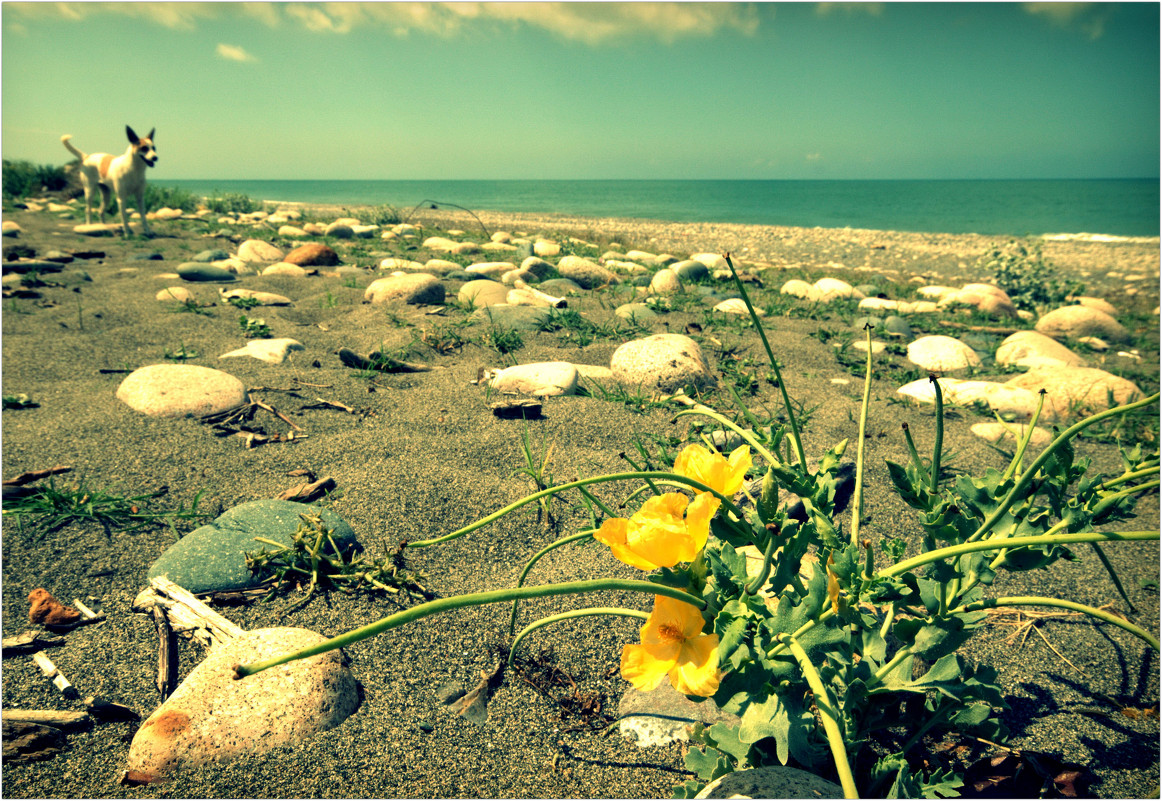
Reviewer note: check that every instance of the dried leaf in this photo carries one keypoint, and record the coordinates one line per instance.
(305, 493)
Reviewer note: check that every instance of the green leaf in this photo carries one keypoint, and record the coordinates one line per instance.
(707, 765)
(726, 739)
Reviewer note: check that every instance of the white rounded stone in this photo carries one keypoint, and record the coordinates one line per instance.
(1074, 322)
(664, 362)
(538, 379)
(258, 251)
(1034, 349)
(178, 390)
(942, 354)
(412, 288)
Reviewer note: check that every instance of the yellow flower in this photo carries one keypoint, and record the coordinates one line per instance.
(658, 535)
(713, 469)
(673, 644)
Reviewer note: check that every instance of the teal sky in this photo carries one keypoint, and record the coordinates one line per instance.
(590, 90)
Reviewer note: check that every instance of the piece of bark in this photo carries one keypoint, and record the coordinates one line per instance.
(29, 742)
(517, 408)
(306, 493)
(379, 362)
(57, 718)
(36, 475)
(46, 610)
(50, 671)
(28, 642)
(186, 613)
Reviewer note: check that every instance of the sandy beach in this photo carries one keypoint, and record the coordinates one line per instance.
(421, 454)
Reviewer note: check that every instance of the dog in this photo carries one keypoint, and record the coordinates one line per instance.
(124, 175)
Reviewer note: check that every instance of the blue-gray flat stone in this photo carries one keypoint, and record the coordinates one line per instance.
(560, 287)
(213, 558)
(211, 255)
(196, 271)
(517, 318)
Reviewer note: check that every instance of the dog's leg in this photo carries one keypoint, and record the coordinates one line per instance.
(141, 210)
(104, 201)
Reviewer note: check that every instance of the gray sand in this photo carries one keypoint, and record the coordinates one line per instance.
(424, 457)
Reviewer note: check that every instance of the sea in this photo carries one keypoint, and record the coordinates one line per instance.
(1096, 208)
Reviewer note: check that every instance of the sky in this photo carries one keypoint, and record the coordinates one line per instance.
(428, 91)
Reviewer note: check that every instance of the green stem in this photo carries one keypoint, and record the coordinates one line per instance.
(473, 599)
(1013, 542)
(1064, 437)
(912, 452)
(599, 610)
(1101, 555)
(941, 716)
(900, 656)
(825, 703)
(938, 445)
(1023, 443)
(484, 521)
(1141, 472)
(536, 558)
(774, 363)
(857, 493)
(1034, 600)
(757, 583)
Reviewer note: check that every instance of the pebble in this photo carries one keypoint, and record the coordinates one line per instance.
(287, 269)
(199, 272)
(442, 267)
(1011, 433)
(292, 232)
(339, 229)
(516, 318)
(941, 354)
(178, 390)
(1002, 398)
(97, 229)
(663, 715)
(735, 306)
(538, 379)
(274, 351)
(546, 249)
(636, 311)
(207, 256)
(561, 286)
(665, 282)
(826, 290)
(483, 292)
(313, 254)
(175, 293)
(258, 251)
(416, 289)
(1086, 389)
(211, 717)
(1034, 349)
(986, 298)
(493, 269)
(407, 265)
(1074, 322)
(664, 362)
(798, 288)
(712, 261)
(538, 267)
(586, 274)
(691, 270)
(262, 298)
(212, 558)
(10, 228)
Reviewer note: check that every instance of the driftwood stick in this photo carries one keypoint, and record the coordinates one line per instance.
(58, 719)
(28, 642)
(87, 614)
(50, 671)
(166, 654)
(186, 613)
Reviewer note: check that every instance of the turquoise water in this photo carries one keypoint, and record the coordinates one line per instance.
(1017, 208)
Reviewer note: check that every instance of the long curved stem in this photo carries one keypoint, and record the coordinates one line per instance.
(774, 363)
(473, 599)
(512, 507)
(857, 493)
(825, 703)
(596, 610)
(747, 436)
(1035, 600)
(536, 558)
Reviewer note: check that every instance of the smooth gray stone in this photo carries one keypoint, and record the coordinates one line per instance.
(897, 326)
(661, 715)
(32, 266)
(196, 271)
(213, 558)
(211, 255)
(462, 275)
(559, 287)
(771, 781)
(57, 256)
(874, 322)
(690, 270)
(638, 311)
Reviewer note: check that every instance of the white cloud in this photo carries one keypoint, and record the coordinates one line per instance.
(1089, 18)
(591, 23)
(814, 157)
(234, 53)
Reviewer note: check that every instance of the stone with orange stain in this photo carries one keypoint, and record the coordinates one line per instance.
(48, 611)
(212, 717)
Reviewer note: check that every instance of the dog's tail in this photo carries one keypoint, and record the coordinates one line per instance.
(65, 141)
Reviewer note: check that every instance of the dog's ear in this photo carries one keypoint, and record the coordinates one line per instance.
(132, 136)
(150, 137)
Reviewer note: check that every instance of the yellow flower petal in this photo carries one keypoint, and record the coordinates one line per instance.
(713, 469)
(657, 532)
(673, 644)
(613, 533)
(696, 670)
(698, 517)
